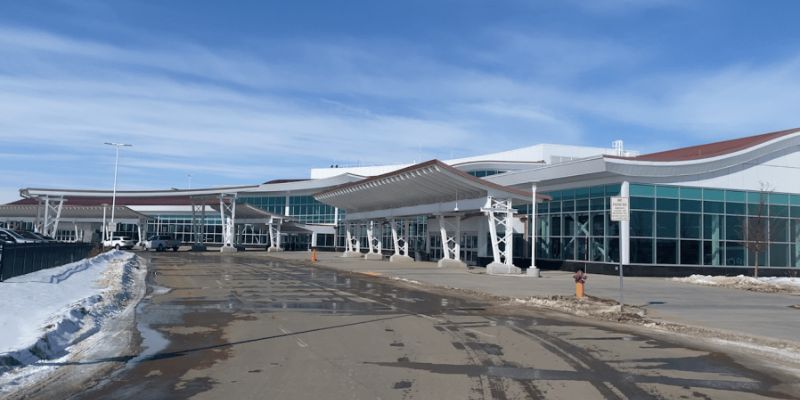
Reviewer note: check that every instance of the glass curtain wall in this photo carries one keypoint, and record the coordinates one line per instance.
(576, 225)
(673, 225)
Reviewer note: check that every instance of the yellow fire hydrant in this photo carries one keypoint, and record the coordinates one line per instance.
(580, 281)
(313, 255)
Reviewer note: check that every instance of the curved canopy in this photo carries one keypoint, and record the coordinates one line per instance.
(427, 183)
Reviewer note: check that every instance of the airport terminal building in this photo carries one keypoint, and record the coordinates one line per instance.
(724, 206)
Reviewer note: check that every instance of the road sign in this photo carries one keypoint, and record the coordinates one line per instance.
(620, 209)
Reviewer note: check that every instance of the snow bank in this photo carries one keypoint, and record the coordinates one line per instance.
(46, 312)
(764, 284)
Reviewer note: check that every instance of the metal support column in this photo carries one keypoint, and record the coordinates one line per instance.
(500, 215)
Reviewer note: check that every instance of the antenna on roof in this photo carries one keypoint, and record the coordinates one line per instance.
(619, 147)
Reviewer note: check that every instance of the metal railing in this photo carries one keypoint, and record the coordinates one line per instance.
(23, 258)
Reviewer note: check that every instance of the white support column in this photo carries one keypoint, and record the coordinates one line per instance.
(400, 244)
(374, 243)
(52, 215)
(227, 211)
(104, 233)
(274, 225)
(198, 225)
(140, 243)
(625, 230)
(533, 270)
(353, 243)
(451, 242)
(500, 214)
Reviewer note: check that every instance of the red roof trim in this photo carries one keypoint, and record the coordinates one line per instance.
(711, 149)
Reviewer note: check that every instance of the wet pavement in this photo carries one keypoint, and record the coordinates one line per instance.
(238, 326)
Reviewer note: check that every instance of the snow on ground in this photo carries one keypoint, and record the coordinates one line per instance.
(763, 284)
(47, 314)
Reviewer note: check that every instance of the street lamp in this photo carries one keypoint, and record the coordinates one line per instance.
(114, 195)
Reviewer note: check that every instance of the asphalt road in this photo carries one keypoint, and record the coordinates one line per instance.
(233, 326)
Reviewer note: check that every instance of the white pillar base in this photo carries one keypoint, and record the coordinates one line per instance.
(273, 249)
(228, 249)
(450, 263)
(199, 247)
(533, 271)
(397, 258)
(352, 254)
(373, 256)
(502, 269)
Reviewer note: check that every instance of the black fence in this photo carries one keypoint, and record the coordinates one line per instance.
(24, 258)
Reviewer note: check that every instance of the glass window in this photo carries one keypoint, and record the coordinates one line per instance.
(555, 206)
(582, 227)
(597, 191)
(642, 251)
(762, 256)
(667, 191)
(615, 190)
(778, 211)
(581, 193)
(598, 249)
(667, 204)
(795, 249)
(555, 249)
(569, 249)
(641, 223)
(691, 193)
(568, 206)
(612, 227)
(690, 252)
(779, 255)
(713, 252)
(795, 212)
(642, 203)
(666, 224)
(642, 190)
(555, 225)
(598, 224)
(691, 206)
(582, 249)
(734, 253)
(666, 251)
(690, 226)
(598, 204)
(734, 228)
(569, 226)
(613, 249)
(778, 198)
(756, 197)
(735, 208)
(713, 226)
(735, 196)
(778, 230)
(582, 205)
(713, 194)
(716, 207)
(757, 209)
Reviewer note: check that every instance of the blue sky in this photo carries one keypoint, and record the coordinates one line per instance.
(247, 91)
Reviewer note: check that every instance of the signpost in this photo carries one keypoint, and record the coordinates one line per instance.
(620, 211)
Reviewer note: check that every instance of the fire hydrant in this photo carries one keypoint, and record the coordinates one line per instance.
(314, 255)
(580, 280)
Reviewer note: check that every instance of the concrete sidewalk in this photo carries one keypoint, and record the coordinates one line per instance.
(767, 315)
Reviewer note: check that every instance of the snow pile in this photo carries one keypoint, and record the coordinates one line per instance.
(411, 281)
(764, 284)
(46, 312)
(587, 307)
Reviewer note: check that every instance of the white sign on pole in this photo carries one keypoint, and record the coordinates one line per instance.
(620, 209)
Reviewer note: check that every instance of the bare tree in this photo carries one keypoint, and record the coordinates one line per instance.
(756, 228)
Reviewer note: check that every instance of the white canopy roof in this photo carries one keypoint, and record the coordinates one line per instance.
(430, 183)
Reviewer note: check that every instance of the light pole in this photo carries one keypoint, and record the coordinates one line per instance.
(114, 195)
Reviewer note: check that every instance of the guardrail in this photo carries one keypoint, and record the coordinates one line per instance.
(23, 258)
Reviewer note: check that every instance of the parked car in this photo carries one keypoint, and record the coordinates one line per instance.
(9, 236)
(120, 242)
(161, 243)
(38, 238)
